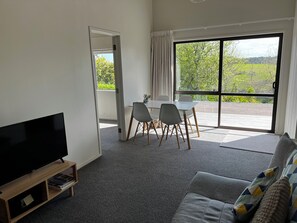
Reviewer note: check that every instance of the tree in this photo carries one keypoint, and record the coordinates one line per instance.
(197, 69)
(104, 71)
(197, 66)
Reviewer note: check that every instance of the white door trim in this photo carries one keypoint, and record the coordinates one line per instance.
(118, 81)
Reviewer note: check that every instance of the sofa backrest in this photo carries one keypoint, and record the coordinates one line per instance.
(283, 150)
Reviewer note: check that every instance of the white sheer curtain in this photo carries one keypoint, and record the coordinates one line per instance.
(161, 64)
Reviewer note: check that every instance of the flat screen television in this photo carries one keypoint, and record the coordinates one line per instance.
(29, 145)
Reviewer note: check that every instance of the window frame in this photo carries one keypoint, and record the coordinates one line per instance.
(219, 92)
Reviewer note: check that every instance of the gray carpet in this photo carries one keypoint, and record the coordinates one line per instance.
(258, 142)
(136, 182)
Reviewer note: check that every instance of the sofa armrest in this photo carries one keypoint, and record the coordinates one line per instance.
(217, 187)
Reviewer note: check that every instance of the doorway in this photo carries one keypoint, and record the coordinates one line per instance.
(107, 82)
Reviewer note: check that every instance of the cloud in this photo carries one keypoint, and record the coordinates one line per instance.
(261, 47)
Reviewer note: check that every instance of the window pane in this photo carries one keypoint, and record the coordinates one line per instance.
(206, 109)
(197, 66)
(105, 71)
(247, 112)
(249, 65)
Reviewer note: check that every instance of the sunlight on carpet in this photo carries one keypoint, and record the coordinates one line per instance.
(251, 141)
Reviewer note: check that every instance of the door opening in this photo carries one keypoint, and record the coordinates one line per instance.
(107, 80)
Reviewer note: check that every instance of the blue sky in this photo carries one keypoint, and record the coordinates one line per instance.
(107, 56)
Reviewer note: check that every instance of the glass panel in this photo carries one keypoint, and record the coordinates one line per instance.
(249, 65)
(206, 110)
(247, 112)
(105, 71)
(197, 66)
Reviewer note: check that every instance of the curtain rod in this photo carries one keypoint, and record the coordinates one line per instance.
(233, 24)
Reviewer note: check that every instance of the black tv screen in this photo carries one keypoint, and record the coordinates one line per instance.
(29, 145)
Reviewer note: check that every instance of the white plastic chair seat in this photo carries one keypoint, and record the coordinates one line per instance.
(155, 111)
(189, 113)
(187, 98)
(142, 115)
(169, 115)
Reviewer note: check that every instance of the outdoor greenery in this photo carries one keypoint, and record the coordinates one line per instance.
(106, 86)
(198, 68)
(105, 74)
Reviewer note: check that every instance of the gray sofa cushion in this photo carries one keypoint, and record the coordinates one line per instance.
(209, 199)
(217, 187)
(197, 208)
(283, 150)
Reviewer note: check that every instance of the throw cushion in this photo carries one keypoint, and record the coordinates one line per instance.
(247, 202)
(274, 205)
(291, 172)
(284, 148)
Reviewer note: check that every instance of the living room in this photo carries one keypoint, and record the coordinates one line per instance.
(46, 65)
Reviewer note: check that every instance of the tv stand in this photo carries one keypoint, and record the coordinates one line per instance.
(62, 160)
(25, 194)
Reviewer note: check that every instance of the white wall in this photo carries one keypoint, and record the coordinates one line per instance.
(107, 104)
(180, 15)
(102, 43)
(45, 62)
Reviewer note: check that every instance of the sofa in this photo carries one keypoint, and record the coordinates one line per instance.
(210, 198)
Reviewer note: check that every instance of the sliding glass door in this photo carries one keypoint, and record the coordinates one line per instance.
(234, 79)
(197, 73)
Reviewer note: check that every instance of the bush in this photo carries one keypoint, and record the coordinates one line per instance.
(106, 86)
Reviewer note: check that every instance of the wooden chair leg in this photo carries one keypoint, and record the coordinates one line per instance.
(196, 122)
(148, 133)
(152, 123)
(181, 132)
(136, 131)
(143, 129)
(163, 132)
(167, 131)
(190, 125)
(171, 132)
(176, 135)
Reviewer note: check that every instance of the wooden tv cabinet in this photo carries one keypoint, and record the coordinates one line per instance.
(24, 195)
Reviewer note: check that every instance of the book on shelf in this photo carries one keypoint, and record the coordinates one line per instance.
(60, 181)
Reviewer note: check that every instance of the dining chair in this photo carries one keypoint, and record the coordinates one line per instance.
(142, 115)
(169, 115)
(189, 113)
